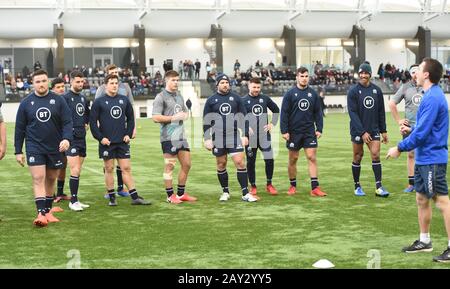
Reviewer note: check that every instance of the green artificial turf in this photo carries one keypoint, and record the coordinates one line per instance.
(277, 232)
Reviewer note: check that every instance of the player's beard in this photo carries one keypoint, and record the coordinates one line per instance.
(42, 91)
(224, 91)
(78, 90)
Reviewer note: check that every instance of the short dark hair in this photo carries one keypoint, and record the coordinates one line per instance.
(111, 76)
(110, 67)
(56, 81)
(76, 73)
(171, 73)
(255, 80)
(302, 70)
(39, 72)
(434, 68)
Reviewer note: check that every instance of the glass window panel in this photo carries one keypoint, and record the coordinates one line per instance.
(335, 57)
(319, 54)
(303, 57)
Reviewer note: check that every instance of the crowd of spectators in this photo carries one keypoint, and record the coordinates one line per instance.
(328, 79)
(280, 79)
(141, 83)
(189, 70)
(394, 76)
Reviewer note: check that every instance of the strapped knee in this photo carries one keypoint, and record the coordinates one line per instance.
(169, 161)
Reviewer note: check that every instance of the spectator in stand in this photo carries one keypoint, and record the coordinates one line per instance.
(13, 84)
(318, 67)
(26, 71)
(208, 69)
(100, 72)
(266, 77)
(134, 68)
(158, 75)
(256, 73)
(191, 70)
(84, 71)
(186, 69)
(381, 72)
(290, 74)
(237, 65)
(19, 83)
(180, 69)
(165, 66)
(37, 65)
(85, 84)
(197, 69)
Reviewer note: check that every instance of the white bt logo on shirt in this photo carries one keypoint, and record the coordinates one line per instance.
(225, 109)
(417, 99)
(303, 104)
(257, 110)
(80, 109)
(116, 112)
(43, 114)
(368, 102)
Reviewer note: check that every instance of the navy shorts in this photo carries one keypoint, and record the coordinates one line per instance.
(298, 141)
(173, 147)
(51, 161)
(228, 146)
(77, 148)
(114, 151)
(376, 136)
(430, 180)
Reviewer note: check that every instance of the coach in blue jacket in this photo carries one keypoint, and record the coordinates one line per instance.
(429, 139)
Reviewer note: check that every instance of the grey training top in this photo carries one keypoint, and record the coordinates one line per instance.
(124, 89)
(1, 115)
(169, 104)
(412, 94)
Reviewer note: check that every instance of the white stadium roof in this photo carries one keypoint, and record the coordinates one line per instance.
(238, 18)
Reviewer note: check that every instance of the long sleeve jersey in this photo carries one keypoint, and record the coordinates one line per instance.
(366, 109)
(257, 108)
(224, 114)
(301, 112)
(429, 135)
(79, 107)
(112, 117)
(43, 121)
